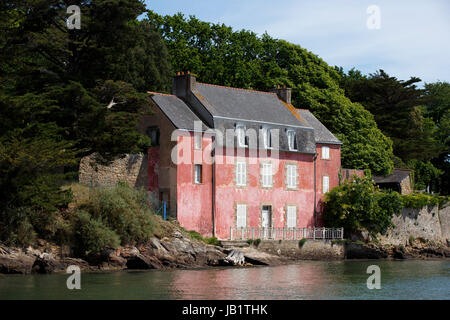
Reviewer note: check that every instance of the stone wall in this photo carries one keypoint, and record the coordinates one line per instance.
(310, 250)
(428, 223)
(131, 169)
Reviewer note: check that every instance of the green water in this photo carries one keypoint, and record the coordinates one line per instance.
(304, 280)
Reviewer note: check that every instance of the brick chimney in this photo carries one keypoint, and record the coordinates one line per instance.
(284, 93)
(183, 83)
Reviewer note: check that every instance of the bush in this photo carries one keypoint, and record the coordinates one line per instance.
(302, 242)
(250, 241)
(257, 242)
(420, 200)
(213, 241)
(195, 235)
(360, 204)
(93, 236)
(124, 210)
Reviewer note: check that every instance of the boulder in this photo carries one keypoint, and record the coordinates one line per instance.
(16, 263)
(143, 262)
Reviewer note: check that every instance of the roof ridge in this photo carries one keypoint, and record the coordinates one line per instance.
(162, 94)
(233, 88)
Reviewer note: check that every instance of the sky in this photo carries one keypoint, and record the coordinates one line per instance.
(403, 37)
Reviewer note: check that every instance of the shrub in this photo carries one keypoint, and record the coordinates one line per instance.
(257, 242)
(124, 210)
(213, 241)
(420, 200)
(93, 236)
(302, 242)
(360, 204)
(195, 235)
(250, 241)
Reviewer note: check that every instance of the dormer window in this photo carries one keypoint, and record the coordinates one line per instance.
(240, 134)
(267, 138)
(292, 140)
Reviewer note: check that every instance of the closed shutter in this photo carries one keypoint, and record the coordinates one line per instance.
(291, 216)
(291, 176)
(241, 173)
(241, 216)
(267, 174)
(326, 184)
(325, 153)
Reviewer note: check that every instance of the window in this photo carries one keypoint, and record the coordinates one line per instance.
(241, 216)
(291, 217)
(326, 184)
(267, 174)
(198, 174)
(326, 153)
(197, 140)
(291, 176)
(267, 138)
(241, 173)
(292, 140)
(153, 133)
(240, 134)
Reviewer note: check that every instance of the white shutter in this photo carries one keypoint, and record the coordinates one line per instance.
(291, 176)
(241, 173)
(267, 174)
(291, 217)
(241, 216)
(325, 153)
(326, 184)
(197, 140)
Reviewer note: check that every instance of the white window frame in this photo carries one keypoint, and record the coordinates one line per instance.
(198, 174)
(291, 176)
(198, 141)
(291, 216)
(266, 174)
(241, 173)
(241, 215)
(325, 185)
(267, 138)
(291, 140)
(325, 153)
(240, 134)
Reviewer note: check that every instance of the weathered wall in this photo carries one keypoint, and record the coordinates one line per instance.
(428, 223)
(311, 249)
(131, 169)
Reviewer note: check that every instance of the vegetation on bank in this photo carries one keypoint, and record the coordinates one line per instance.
(359, 204)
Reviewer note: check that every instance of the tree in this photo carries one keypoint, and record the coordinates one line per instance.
(220, 55)
(360, 204)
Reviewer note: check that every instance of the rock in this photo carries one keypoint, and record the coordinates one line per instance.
(143, 262)
(33, 252)
(16, 264)
(359, 251)
(235, 257)
(398, 253)
(178, 235)
(46, 265)
(128, 252)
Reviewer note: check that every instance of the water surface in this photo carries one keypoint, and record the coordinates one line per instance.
(304, 280)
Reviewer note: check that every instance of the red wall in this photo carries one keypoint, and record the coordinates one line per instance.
(326, 167)
(194, 201)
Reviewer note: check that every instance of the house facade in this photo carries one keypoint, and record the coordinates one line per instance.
(227, 158)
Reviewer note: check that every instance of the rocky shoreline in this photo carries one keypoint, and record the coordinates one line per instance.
(180, 251)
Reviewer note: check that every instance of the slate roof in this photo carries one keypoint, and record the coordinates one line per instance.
(177, 111)
(321, 133)
(397, 176)
(244, 104)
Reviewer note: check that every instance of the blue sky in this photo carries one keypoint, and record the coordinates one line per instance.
(413, 38)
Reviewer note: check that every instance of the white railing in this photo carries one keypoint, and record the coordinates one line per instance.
(286, 233)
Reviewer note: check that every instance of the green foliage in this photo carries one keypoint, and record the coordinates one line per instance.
(93, 236)
(124, 210)
(219, 55)
(420, 200)
(257, 242)
(250, 241)
(425, 174)
(195, 235)
(213, 241)
(302, 242)
(360, 204)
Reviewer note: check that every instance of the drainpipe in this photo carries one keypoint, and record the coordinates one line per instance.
(213, 156)
(315, 190)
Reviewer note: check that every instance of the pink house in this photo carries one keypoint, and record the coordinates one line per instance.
(226, 158)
